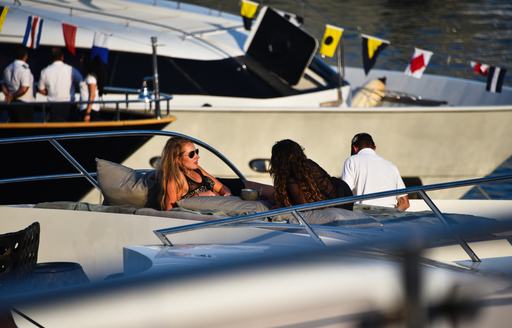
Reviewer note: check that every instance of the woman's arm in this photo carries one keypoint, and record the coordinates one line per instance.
(218, 187)
(173, 196)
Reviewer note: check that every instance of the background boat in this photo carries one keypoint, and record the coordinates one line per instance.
(202, 63)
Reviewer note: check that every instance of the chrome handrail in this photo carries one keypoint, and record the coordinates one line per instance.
(54, 138)
(161, 233)
(126, 102)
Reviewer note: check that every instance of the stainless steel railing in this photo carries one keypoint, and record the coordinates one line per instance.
(116, 104)
(295, 211)
(90, 176)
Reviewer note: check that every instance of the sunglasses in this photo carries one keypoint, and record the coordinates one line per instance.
(191, 154)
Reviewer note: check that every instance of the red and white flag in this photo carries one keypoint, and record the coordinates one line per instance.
(69, 32)
(418, 63)
(480, 68)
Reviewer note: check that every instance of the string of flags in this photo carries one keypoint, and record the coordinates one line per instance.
(34, 30)
(371, 46)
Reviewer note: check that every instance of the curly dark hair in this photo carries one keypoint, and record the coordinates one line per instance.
(289, 164)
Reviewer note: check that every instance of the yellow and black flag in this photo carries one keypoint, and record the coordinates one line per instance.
(372, 47)
(248, 11)
(3, 14)
(330, 40)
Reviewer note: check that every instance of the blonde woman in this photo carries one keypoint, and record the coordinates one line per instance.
(182, 177)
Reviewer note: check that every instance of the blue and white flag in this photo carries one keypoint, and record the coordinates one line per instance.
(100, 46)
(495, 79)
(33, 32)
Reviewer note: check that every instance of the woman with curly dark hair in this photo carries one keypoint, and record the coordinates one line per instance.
(299, 180)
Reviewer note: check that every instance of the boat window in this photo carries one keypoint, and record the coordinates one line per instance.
(232, 77)
(183, 76)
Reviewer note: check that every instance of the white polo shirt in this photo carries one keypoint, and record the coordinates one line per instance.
(16, 75)
(59, 80)
(366, 173)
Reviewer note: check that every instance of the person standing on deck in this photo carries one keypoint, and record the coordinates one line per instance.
(18, 87)
(58, 82)
(366, 172)
(91, 88)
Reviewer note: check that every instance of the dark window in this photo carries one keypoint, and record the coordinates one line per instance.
(225, 77)
(231, 77)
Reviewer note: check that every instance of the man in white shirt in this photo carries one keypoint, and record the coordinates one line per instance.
(58, 82)
(366, 172)
(18, 88)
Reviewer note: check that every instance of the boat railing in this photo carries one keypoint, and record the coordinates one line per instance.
(145, 96)
(55, 141)
(296, 210)
(117, 105)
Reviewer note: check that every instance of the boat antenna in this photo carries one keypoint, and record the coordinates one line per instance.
(156, 84)
(341, 69)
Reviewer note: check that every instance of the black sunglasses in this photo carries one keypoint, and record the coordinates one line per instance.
(193, 153)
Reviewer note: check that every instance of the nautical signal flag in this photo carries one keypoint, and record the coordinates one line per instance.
(248, 11)
(33, 32)
(69, 32)
(495, 79)
(100, 46)
(372, 47)
(330, 40)
(3, 14)
(418, 63)
(479, 68)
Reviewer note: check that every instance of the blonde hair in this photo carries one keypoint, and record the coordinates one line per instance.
(171, 167)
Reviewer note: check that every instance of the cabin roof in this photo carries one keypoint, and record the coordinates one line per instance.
(188, 32)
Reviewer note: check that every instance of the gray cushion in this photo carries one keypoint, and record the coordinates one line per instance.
(338, 216)
(122, 185)
(220, 205)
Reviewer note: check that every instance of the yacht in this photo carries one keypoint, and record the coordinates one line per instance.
(227, 89)
(228, 262)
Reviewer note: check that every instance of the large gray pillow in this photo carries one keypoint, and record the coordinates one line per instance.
(122, 185)
(220, 205)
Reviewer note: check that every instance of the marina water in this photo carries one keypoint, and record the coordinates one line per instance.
(457, 32)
